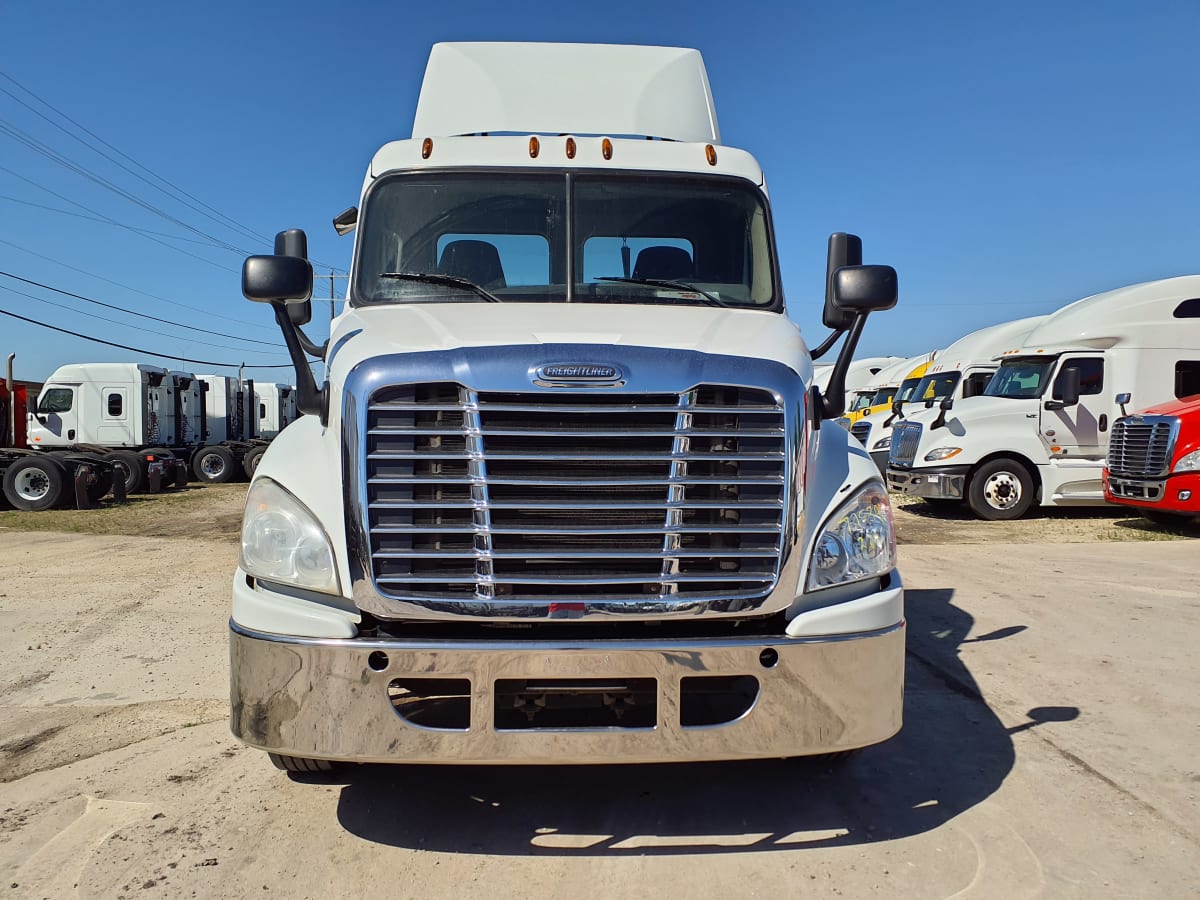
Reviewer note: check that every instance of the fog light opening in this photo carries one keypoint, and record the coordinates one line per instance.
(708, 700)
(378, 661)
(439, 704)
(768, 658)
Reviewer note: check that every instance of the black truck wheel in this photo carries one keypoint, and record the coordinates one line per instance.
(35, 483)
(135, 469)
(300, 765)
(1001, 489)
(250, 460)
(214, 465)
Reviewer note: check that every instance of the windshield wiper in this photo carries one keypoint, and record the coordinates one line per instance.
(709, 299)
(448, 280)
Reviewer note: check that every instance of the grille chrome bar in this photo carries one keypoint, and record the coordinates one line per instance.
(484, 498)
(1142, 446)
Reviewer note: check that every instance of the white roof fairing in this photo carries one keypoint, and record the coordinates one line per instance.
(590, 89)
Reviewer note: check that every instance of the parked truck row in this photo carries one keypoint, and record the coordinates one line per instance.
(1036, 412)
(152, 427)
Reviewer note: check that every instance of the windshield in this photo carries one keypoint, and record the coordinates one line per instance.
(907, 387)
(936, 387)
(1020, 377)
(883, 396)
(612, 238)
(861, 401)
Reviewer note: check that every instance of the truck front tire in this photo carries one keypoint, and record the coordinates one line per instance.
(35, 483)
(298, 765)
(1000, 489)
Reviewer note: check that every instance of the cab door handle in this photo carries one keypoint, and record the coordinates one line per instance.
(1104, 421)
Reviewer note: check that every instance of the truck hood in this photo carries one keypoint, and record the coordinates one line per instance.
(972, 412)
(1186, 406)
(365, 332)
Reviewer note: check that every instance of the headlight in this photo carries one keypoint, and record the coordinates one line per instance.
(1189, 462)
(856, 542)
(942, 453)
(883, 443)
(282, 541)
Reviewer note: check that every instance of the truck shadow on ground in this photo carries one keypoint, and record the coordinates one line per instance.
(952, 753)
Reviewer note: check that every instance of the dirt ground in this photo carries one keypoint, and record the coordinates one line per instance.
(1052, 713)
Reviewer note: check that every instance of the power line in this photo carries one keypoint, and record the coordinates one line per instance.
(217, 216)
(96, 340)
(66, 162)
(113, 221)
(132, 312)
(67, 212)
(80, 312)
(205, 312)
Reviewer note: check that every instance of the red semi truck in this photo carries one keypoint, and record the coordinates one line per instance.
(1154, 462)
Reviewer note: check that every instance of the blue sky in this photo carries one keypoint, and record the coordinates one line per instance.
(1005, 158)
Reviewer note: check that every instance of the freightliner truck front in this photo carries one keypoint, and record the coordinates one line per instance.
(567, 494)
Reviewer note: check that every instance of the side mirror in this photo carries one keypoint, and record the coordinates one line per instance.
(1066, 389)
(947, 404)
(844, 250)
(269, 279)
(1122, 399)
(858, 289)
(294, 242)
(346, 221)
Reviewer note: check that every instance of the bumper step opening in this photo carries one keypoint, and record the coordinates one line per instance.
(715, 699)
(525, 704)
(440, 703)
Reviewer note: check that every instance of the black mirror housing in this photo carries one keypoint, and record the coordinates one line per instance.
(844, 250)
(271, 279)
(1066, 389)
(1123, 398)
(864, 289)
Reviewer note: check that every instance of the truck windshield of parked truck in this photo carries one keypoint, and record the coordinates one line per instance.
(612, 238)
(1021, 377)
(936, 387)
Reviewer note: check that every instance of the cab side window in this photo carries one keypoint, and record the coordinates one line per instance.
(56, 400)
(1187, 378)
(1091, 376)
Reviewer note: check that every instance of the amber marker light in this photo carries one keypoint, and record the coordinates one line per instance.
(426, 148)
(570, 148)
(710, 153)
(606, 148)
(534, 148)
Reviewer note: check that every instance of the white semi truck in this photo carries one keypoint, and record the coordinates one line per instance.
(240, 419)
(127, 412)
(567, 494)
(961, 370)
(1039, 433)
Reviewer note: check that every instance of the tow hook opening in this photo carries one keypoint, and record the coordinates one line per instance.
(443, 704)
(523, 704)
(715, 699)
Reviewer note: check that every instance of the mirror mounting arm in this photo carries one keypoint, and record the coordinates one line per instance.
(309, 398)
(824, 346)
(833, 403)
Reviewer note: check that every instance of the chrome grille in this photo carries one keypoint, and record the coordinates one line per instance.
(905, 438)
(861, 430)
(1141, 446)
(560, 497)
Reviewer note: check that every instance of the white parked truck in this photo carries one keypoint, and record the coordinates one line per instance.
(567, 495)
(240, 420)
(961, 370)
(1040, 431)
(126, 412)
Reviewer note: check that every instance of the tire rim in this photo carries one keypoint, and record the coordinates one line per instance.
(1002, 490)
(32, 485)
(212, 465)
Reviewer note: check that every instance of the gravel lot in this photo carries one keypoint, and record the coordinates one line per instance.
(1052, 717)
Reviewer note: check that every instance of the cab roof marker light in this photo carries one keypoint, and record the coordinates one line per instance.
(606, 148)
(426, 148)
(710, 153)
(570, 148)
(534, 147)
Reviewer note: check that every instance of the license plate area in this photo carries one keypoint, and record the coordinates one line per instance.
(524, 704)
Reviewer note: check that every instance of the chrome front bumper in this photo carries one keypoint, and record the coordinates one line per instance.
(932, 483)
(327, 698)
